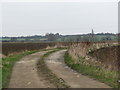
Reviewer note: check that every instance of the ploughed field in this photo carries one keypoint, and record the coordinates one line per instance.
(15, 47)
(109, 56)
(8, 48)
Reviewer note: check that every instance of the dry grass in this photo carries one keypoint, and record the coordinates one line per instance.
(99, 60)
(96, 53)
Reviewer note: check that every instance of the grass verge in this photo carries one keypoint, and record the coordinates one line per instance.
(7, 65)
(105, 76)
(47, 73)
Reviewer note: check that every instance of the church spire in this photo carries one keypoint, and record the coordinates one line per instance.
(92, 31)
(92, 35)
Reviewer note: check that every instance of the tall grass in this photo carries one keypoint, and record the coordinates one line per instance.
(105, 53)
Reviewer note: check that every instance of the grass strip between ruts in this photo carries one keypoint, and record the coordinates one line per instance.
(45, 72)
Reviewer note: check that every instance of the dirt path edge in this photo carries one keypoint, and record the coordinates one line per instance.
(47, 74)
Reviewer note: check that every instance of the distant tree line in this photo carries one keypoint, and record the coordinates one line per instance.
(51, 37)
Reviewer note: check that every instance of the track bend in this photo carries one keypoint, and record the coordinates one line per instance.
(55, 63)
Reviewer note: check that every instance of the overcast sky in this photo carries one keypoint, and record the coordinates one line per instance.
(38, 18)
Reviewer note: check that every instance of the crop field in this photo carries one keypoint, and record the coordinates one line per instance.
(8, 48)
(14, 47)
